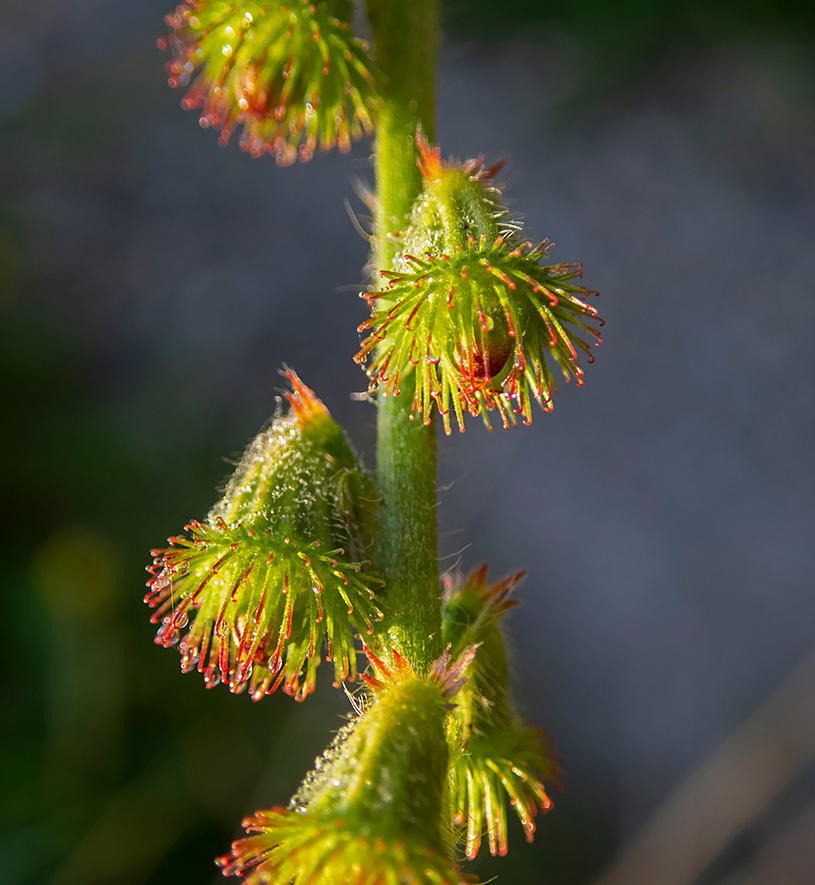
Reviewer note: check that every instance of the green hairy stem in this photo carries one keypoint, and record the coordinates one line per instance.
(405, 39)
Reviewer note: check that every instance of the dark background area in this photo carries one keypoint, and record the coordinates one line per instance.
(151, 284)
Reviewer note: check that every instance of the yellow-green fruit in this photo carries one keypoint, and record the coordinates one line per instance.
(498, 758)
(276, 570)
(290, 73)
(372, 811)
(469, 311)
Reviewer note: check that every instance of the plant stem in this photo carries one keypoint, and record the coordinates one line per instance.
(405, 37)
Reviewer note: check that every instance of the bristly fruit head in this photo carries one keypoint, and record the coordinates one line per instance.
(500, 758)
(469, 309)
(290, 73)
(372, 811)
(275, 570)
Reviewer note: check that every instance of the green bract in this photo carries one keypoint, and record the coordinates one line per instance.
(501, 757)
(469, 309)
(290, 73)
(276, 569)
(372, 810)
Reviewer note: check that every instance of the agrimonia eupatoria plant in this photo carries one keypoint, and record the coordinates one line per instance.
(307, 556)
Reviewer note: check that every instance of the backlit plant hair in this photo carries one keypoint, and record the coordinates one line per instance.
(306, 556)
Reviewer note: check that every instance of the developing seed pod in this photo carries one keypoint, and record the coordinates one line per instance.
(290, 73)
(501, 757)
(372, 811)
(469, 310)
(274, 571)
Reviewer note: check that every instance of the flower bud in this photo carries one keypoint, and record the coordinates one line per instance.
(372, 811)
(501, 757)
(469, 309)
(268, 577)
(290, 73)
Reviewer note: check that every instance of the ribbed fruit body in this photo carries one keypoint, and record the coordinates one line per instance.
(276, 568)
(372, 811)
(290, 73)
(500, 758)
(469, 310)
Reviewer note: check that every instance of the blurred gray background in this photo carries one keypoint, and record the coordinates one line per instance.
(151, 285)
